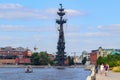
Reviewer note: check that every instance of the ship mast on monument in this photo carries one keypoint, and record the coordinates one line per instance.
(60, 57)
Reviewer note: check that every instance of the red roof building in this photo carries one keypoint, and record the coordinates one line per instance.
(93, 57)
(20, 55)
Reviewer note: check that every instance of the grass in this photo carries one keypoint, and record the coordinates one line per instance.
(116, 69)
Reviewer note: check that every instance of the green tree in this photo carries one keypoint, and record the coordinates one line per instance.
(40, 58)
(35, 59)
(99, 60)
(84, 60)
(44, 60)
(70, 60)
(112, 60)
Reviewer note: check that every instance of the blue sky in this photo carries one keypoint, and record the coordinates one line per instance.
(30, 23)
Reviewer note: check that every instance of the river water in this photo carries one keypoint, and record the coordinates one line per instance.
(43, 74)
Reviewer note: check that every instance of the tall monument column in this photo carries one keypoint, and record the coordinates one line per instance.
(60, 57)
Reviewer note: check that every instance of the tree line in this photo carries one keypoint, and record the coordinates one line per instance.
(42, 58)
(112, 60)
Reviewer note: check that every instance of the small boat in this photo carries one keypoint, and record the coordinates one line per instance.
(60, 67)
(28, 69)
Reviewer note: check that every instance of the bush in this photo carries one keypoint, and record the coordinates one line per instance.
(116, 69)
(118, 63)
(112, 60)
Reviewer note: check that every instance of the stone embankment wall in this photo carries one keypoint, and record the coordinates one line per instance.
(92, 76)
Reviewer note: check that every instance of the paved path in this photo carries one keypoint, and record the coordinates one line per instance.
(111, 76)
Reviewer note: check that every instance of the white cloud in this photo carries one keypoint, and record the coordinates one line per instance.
(51, 10)
(114, 27)
(112, 30)
(21, 14)
(74, 39)
(74, 12)
(70, 12)
(3, 38)
(10, 6)
(88, 34)
(26, 28)
(96, 34)
(17, 11)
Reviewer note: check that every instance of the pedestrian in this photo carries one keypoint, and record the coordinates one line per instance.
(101, 69)
(96, 68)
(106, 69)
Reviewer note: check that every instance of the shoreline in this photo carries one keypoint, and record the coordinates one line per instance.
(40, 66)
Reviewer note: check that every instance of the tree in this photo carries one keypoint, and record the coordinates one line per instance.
(102, 60)
(35, 59)
(70, 60)
(84, 60)
(40, 58)
(112, 60)
(44, 58)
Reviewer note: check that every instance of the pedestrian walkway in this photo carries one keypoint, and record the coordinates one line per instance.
(111, 76)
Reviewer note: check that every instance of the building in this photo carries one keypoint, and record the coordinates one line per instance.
(103, 53)
(9, 55)
(94, 56)
(115, 52)
(85, 54)
(108, 52)
(77, 60)
(51, 57)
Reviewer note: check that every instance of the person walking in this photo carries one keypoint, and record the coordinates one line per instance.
(101, 69)
(106, 69)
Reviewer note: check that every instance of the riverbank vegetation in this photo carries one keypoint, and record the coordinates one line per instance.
(116, 69)
(40, 59)
(43, 58)
(112, 60)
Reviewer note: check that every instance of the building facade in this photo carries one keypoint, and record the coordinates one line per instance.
(85, 54)
(94, 56)
(103, 53)
(9, 55)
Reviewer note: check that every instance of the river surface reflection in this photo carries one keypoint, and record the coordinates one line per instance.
(43, 74)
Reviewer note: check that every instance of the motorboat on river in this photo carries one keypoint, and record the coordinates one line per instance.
(60, 67)
(28, 69)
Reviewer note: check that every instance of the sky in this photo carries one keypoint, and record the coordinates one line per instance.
(31, 23)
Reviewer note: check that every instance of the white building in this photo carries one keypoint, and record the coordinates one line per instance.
(87, 55)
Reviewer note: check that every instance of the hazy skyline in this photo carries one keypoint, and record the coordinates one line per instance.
(30, 23)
